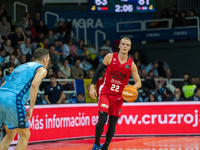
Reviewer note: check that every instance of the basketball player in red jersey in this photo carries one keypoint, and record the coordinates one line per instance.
(119, 68)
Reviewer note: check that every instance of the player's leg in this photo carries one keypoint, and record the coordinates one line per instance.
(23, 139)
(10, 134)
(99, 127)
(103, 106)
(110, 132)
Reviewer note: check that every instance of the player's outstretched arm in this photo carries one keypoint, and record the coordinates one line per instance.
(136, 76)
(106, 61)
(40, 74)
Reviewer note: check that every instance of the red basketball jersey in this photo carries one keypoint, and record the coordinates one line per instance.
(116, 76)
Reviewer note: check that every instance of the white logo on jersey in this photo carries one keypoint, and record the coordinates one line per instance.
(114, 63)
(114, 59)
(58, 87)
(51, 89)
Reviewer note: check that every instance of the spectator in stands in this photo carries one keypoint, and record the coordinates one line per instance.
(59, 34)
(149, 83)
(19, 37)
(161, 91)
(152, 98)
(168, 74)
(1, 42)
(173, 11)
(177, 20)
(8, 47)
(44, 43)
(90, 74)
(77, 72)
(65, 84)
(67, 49)
(42, 28)
(23, 59)
(164, 15)
(99, 59)
(188, 89)
(193, 22)
(24, 24)
(36, 19)
(11, 60)
(33, 30)
(107, 46)
(28, 16)
(79, 47)
(51, 38)
(53, 92)
(32, 59)
(59, 24)
(176, 96)
(5, 28)
(185, 77)
(85, 54)
(53, 58)
(68, 30)
(66, 69)
(79, 98)
(39, 38)
(17, 53)
(183, 20)
(11, 67)
(140, 66)
(73, 50)
(26, 48)
(196, 96)
(143, 74)
(28, 34)
(197, 82)
(152, 66)
(3, 12)
(2, 55)
(59, 51)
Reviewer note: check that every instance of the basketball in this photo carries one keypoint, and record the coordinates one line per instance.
(130, 93)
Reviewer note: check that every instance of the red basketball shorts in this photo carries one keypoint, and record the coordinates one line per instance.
(111, 104)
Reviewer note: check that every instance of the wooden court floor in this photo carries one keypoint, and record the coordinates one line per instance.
(125, 143)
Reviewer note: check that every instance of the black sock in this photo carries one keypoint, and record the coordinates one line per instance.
(99, 127)
(111, 131)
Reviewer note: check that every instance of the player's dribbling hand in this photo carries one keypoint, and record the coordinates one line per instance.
(92, 91)
(28, 114)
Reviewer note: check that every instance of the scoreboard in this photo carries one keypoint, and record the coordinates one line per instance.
(121, 6)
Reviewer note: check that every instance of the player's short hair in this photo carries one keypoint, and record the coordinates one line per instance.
(11, 66)
(126, 38)
(40, 53)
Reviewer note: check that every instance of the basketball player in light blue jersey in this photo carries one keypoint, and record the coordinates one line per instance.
(21, 86)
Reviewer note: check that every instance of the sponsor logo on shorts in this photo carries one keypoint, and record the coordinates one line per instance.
(104, 105)
(126, 93)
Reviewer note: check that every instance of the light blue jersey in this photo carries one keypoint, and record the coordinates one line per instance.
(19, 81)
(14, 93)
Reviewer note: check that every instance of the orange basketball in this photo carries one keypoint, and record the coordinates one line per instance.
(130, 93)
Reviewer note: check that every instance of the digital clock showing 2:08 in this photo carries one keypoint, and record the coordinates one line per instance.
(121, 6)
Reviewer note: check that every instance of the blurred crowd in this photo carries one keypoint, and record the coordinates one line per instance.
(178, 18)
(70, 59)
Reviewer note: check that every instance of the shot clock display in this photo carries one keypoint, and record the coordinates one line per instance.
(121, 6)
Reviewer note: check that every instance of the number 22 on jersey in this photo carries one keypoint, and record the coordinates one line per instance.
(114, 88)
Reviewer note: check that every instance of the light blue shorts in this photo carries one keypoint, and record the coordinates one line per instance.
(12, 111)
